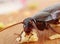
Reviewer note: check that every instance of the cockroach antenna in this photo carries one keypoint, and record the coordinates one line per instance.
(10, 26)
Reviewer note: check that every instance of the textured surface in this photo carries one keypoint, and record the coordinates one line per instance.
(8, 37)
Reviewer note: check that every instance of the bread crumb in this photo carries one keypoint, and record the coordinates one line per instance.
(25, 38)
(56, 36)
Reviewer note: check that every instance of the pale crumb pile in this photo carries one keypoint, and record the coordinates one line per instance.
(54, 36)
(28, 38)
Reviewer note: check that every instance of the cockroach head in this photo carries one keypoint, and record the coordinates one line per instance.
(28, 22)
(28, 25)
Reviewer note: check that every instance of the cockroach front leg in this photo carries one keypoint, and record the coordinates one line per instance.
(30, 36)
(18, 34)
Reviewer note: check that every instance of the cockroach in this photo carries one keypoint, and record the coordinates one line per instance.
(41, 20)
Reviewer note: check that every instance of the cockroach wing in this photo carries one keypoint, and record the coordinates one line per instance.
(48, 18)
(52, 8)
(56, 14)
(48, 13)
(53, 16)
(41, 16)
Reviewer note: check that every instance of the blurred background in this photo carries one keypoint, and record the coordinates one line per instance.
(12, 11)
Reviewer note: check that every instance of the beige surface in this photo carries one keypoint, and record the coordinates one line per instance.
(8, 37)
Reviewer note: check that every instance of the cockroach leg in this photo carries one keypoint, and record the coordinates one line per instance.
(18, 34)
(30, 36)
(48, 25)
